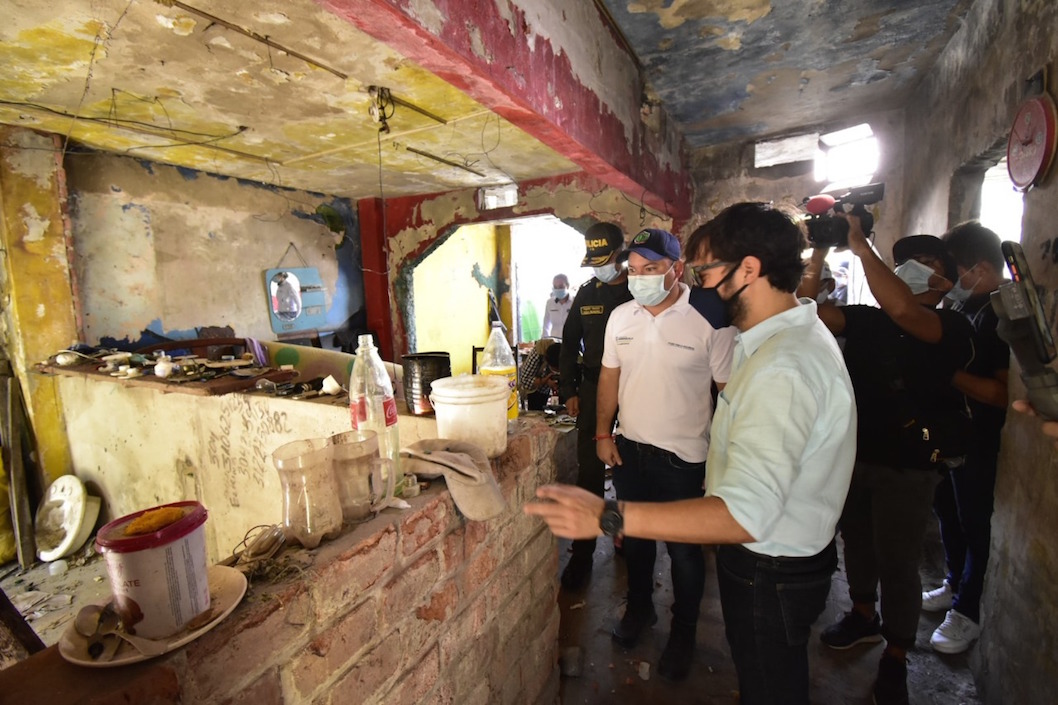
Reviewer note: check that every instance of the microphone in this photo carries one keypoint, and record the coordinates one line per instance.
(818, 205)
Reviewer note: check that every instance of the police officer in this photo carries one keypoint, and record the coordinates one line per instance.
(583, 336)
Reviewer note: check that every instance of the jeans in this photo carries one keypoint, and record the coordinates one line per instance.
(591, 472)
(883, 524)
(650, 474)
(963, 504)
(769, 606)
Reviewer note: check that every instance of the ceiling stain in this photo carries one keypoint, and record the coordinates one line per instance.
(860, 55)
(675, 14)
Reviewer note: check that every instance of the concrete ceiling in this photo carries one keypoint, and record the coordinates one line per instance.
(215, 91)
(732, 70)
(277, 91)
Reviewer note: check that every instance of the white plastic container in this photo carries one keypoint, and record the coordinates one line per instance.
(159, 580)
(472, 408)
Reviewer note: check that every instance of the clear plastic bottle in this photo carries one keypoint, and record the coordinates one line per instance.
(372, 406)
(498, 359)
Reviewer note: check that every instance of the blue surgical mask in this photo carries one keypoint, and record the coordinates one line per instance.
(606, 273)
(959, 293)
(559, 294)
(649, 289)
(916, 275)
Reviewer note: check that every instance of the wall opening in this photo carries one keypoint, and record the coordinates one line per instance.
(1001, 204)
(482, 270)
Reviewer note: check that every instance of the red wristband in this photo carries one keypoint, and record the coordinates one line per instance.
(603, 437)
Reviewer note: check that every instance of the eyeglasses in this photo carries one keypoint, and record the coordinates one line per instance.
(698, 273)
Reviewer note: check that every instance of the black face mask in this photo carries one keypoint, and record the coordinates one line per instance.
(715, 309)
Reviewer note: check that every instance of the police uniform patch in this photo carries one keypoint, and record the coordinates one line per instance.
(591, 310)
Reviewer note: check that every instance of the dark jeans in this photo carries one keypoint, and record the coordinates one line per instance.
(769, 607)
(963, 504)
(649, 474)
(883, 524)
(591, 472)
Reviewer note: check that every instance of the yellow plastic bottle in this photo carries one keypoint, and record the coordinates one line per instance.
(498, 359)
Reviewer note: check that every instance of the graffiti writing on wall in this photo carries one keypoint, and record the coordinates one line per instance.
(240, 444)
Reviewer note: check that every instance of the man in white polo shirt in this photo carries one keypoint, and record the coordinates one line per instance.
(659, 360)
(780, 460)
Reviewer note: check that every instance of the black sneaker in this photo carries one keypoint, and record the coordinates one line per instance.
(675, 662)
(890, 688)
(853, 629)
(577, 573)
(631, 626)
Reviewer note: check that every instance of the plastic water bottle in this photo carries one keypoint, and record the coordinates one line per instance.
(498, 359)
(372, 406)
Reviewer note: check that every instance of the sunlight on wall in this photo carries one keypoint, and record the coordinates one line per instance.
(450, 291)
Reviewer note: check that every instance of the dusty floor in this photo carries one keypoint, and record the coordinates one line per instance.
(611, 674)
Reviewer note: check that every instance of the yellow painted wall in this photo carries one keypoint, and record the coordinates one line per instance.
(38, 310)
(451, 296)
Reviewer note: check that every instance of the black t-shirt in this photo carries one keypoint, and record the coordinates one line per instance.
(585, 331)
(991, 355)
(888, 366)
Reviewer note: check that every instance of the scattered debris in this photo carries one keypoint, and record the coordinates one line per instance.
(644, 670)
(577, 605)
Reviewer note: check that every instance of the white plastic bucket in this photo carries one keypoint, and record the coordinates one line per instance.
(159, 579)
(472, 408)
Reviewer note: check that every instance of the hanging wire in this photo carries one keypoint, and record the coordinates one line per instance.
(99, 40)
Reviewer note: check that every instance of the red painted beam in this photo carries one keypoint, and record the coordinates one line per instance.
(374, 250)
(531, 84)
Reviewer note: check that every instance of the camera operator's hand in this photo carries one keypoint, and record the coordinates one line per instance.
(857, 239)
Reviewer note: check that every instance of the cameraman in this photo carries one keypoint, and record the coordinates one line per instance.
(901, 359)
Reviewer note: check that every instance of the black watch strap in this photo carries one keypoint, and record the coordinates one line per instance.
(611, 521)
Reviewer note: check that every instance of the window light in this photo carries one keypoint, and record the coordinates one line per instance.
(847, 157)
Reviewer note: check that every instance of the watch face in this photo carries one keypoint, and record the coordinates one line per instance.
(611, 522)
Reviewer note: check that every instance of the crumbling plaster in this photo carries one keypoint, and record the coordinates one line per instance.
(417, 225)
(171, 250)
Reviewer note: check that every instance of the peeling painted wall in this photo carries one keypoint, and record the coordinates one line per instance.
(37, 307)
(168, 250)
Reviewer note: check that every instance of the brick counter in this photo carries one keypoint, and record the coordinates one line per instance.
(419, 606)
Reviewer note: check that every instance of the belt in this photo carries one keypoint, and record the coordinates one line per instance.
(784, 561)
(647, 449)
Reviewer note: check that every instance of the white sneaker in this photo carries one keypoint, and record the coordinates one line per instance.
(938, 600)
(955, 634)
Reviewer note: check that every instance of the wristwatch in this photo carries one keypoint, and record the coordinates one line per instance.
(611, 521)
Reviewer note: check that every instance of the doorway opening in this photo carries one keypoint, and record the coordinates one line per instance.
(499, 270)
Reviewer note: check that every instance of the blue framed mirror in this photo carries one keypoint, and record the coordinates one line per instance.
(297, 300)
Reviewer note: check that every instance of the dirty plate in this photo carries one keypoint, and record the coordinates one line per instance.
(226, 589)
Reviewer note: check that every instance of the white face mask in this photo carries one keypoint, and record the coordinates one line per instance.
(916, 275)
(649, 289)
(559, 294)
(606, 273)
(960, 293)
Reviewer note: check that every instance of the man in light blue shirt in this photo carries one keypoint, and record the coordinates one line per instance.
(780, 459)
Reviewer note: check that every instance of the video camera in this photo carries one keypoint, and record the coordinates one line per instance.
(824, 230)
